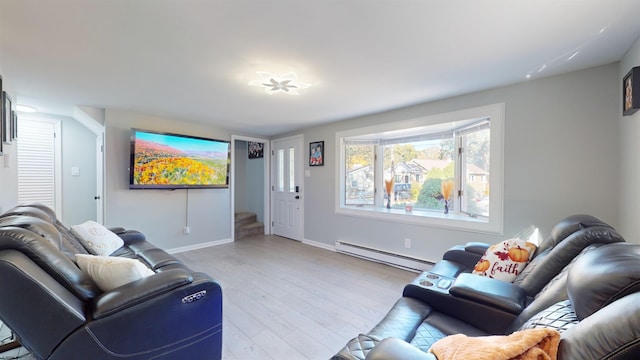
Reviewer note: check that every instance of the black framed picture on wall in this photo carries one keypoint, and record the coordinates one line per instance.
(631, 92)
(316, 153)
(256, 150)
(6, 118)
(14, 125)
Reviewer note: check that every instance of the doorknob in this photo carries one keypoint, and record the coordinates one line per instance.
(96, 198)
(297, 196)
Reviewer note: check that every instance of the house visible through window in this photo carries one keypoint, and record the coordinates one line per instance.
(424, 159)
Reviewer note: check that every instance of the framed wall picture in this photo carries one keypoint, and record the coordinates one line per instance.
(631, 92)
(14, 125)
(316, 153)
(6, 118)
(256, 150)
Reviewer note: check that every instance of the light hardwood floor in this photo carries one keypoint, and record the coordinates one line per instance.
(286, 300)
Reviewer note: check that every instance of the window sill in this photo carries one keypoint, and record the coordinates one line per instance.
(427, 218)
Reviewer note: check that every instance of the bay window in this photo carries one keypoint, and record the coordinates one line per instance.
(443, 170)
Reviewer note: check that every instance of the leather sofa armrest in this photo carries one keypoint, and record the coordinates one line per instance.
(131, 236)
(139, 291)
(458, 254)
(476, 247)
(117, 230)
(394, 348)
(498, 294)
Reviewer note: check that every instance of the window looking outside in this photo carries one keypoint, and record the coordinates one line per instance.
(423, 163)
(475, 196)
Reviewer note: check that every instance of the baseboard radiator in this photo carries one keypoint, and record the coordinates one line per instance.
(384, 257)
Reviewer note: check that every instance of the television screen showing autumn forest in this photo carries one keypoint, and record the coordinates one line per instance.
(172, 161)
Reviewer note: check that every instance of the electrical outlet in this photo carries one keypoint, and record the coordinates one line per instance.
(186, 230)
(407, 243)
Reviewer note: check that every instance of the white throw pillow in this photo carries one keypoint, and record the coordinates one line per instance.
(505, 260)
(96, 238)
(111, 272)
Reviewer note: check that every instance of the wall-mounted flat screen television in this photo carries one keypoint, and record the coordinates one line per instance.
(171, 161)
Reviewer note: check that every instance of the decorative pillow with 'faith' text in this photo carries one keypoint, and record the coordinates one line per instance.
(505, 260)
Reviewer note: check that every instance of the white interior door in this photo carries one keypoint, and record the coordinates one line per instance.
(286, 187)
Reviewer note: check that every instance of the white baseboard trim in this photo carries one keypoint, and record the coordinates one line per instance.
(319, 244)
(198, 246)
(398, 260)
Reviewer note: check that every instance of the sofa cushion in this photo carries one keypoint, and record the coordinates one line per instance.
(37, 239)
(559, 316)
(96, 238)
(550, 262)
(505, 260)
(357, 348)
(112, 272)
(71, 245)
(593, 283)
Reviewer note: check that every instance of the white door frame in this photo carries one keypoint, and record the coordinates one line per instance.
(267, 181)
(299, 175)
(99, 197)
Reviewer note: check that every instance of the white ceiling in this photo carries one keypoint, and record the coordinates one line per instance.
(192, 59)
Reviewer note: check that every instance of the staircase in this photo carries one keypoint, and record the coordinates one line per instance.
(246, 225)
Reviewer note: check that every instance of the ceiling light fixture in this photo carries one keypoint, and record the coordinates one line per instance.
(288, 83)
(25, 108)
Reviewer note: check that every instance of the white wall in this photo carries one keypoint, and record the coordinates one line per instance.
(249, 181)
(8, 178)
(161, 214)
(561, 158)
(629, 155)
(78, 192)
(240, 180)
(8, 175)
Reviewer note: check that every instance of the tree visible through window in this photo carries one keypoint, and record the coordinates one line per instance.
(457, 154)
(420, 161)
(360, 186)
(419, 169)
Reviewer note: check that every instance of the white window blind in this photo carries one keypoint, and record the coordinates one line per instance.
(36, 162)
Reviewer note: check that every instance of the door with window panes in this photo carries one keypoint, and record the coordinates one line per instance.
(286, 189)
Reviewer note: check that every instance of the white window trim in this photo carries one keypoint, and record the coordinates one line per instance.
(495, 223)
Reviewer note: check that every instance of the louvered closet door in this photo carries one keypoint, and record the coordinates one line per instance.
(37, 148)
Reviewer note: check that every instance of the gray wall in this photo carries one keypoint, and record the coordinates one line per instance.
(161, 214)
(8, 175)
(78, 150)
(8, 178)
(629, 153)
(561, 158)
(249, 181)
